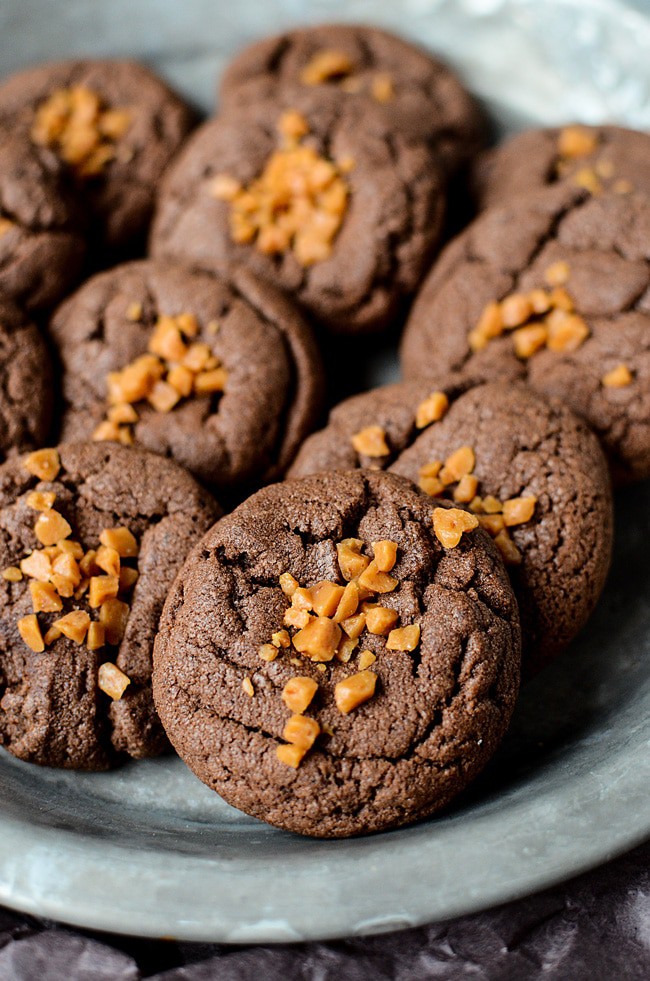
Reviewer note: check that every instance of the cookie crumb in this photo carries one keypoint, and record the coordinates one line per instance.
(290, 754)
(298, 693)
(351, 561)
(41, 500)
(45, 598)
(465, 490)
(618, 377)
(319, 639)
(371, 442)
(381, 620)
(326, 597)
(51, 527)
(74, 625)
(301, 731)
(515, 310)
(281, 638)
(529, 340)
(113, 614)
(385, 553)
(354, 691)
(366, 658)
(509, 551)
(450, 524)
(348, 604)
(587, 178)
(112, 681)
(518, 510)
(375, 580)
(96, 636)
(30, 631)
(44, 464)
(432, 409)
(576, 141)
(325, 66)
(382, 88)
(404, 638)
(288, 584)
(268, 652)
(134, 312)
(461, 462)
(120, 539)
(354, 625)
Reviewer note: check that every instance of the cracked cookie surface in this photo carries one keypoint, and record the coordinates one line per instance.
(41, 227)
(438, 712)
(418, 94)
(509, 250)
(524, 445)
(391, 215)
(250, 430)
(26, 395)
(609, 158)
(51, 709)
(147, 124)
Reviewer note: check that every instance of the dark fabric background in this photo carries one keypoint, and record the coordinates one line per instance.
(596, 927)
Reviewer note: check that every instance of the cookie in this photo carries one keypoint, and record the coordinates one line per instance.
(554, 285)
(315, 194)
(93, 536)
(26, 394)
(115, 126)
(42, 245)
(599, 158)
(315, 709)
(507, 454)
(418, 94)
(221, 375)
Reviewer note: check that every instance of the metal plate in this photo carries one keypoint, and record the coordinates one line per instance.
(148, 849)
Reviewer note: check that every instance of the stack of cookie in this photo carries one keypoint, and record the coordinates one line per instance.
(342, 652)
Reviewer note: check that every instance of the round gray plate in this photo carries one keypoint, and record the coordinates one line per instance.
(148, 849)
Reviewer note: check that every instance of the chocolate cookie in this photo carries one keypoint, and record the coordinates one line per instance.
(222, 375)
(418, 94)
(313, 192)
(113, 123)
(554, 285)
(334, 596)
(41, 241)
(92, 537)
(599, 158)
(25, 382)
(507, 454)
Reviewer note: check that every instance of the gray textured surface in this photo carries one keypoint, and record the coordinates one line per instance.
(151, 851)
(596, 927)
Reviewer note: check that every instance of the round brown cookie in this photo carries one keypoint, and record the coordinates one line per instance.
(314, 193)
(419, 95)
(589, 341)
(240, 410)
(41, 243)
(600, 158)
(26, 395)
(114, 123)
(403, 720)
(54, 707)
(522, 446)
